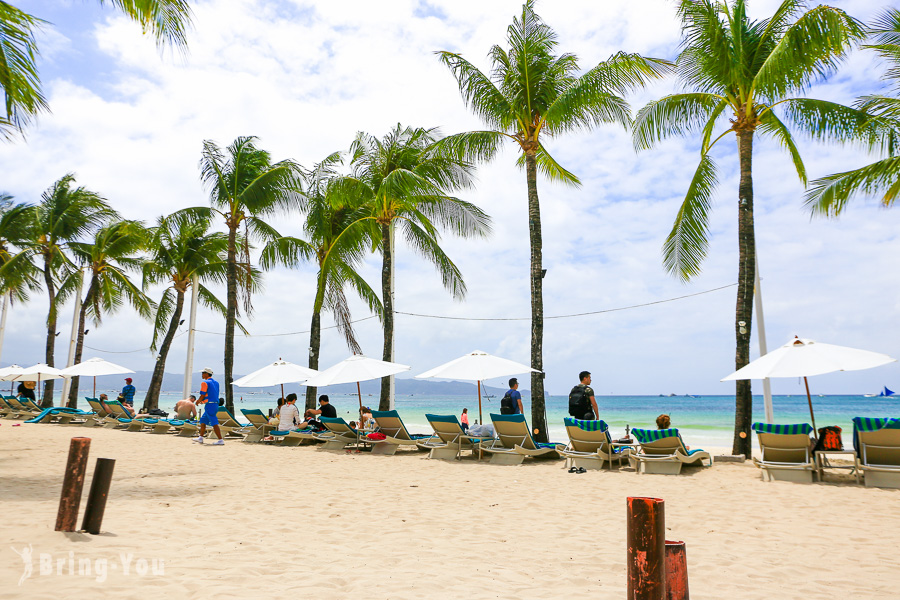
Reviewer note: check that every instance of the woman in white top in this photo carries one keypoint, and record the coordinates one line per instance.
(289, 417)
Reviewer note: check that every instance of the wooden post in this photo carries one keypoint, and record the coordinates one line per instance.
(676, 571)
(73, 482)
(96, 502)
(646, 535)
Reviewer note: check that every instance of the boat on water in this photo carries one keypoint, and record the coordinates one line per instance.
(882, 394)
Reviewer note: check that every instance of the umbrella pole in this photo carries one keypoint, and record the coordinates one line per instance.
(282, 391)
(811, 416)
(94, 395)
(359, 395)
(480, 418)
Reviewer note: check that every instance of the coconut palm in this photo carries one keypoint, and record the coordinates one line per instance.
(244, 187)
(337, 253)
(404, 183)
(106, 260)
(167, 20)
(739, 71)
(533, 94)
(829, 195)
(22, 277)
(65, 214)
(179, 252)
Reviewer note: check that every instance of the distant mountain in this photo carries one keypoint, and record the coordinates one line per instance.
(172, 382)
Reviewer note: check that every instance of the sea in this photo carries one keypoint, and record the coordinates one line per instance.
(704, 421)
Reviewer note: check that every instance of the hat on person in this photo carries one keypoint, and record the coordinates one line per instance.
(207, 370)
(128, 379)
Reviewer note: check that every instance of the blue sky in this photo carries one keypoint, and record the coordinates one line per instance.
(129, 120)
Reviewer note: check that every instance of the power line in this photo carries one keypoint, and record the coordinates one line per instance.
(288, 333)
(128, 351)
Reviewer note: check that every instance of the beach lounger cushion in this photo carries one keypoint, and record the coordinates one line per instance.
(877, 441)
(786, 452)
(663, 451)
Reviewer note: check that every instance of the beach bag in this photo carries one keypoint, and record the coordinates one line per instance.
(829, 439)
(157, 412)
(579, 405)
(507, 405)
(376, 436)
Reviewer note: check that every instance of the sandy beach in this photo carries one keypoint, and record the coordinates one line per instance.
(243, 520)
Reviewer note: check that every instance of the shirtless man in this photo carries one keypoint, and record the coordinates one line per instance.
(186, 409)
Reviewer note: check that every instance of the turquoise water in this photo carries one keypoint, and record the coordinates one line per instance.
(703, 421)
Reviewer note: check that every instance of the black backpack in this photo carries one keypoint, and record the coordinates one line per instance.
(579, 404)
(507, 405)
(157, 412)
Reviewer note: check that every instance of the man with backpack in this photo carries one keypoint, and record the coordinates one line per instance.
(582, 404)
(511, 403)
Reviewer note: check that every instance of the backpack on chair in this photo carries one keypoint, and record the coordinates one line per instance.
(829, 439)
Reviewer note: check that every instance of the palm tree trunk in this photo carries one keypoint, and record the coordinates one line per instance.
(47, 399)
(538, 410)
(152, 398)
(743, 409)
(384, 403)
(79, 342)
(230, 315)
(315, 340)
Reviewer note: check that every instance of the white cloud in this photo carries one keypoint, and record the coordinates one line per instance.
(305, 77)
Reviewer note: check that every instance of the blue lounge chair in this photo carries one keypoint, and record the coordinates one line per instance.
(514, 442)
(61, 414)
(786, 452)
(449, 439)
(877, 444)
(590, 445)
(662, 451)
(396, 435)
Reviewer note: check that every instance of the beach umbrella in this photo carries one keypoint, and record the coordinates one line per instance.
(279, 372)
(8, 373)
(477, 366)
(355, 369)
(93, 367)
(37, 373)
(805, 358)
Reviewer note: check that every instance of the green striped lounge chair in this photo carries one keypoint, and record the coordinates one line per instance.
(391, 425)
(259, 425)
(785, 452)
(337, 435)
(514, 442)
(590, 445)
(877, 443)
(662, 451)
(449, 439)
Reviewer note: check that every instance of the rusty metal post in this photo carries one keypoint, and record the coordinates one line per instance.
(646, 549)
(96, 501)
(73, 483)
(676, 571)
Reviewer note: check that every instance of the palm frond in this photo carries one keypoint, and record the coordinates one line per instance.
(770, 124)
(686, 245)
(164, 310)
(675, 115)
(828, 196)
(475, 146)
(828, 121)
(167, 20)
(23, 96)
(477, 90)
(428, 247)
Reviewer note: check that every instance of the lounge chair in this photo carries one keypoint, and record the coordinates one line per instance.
(228, 425)
(590, 445)
(877, 443)
(121, 415)
(6, 410)
(786, 452)
(99, 416)
(338, 435)
(62, 415)
(449, 439)
(294, 437)
(662, 451)
(514, 442)
(15, 408)
(396, 435)
(259, 425)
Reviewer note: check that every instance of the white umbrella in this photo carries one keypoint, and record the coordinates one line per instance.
(278, 373)
(37, 373)
(93, 367)
(804, 358)
(477, 366)
(8, 373)
(356, 368)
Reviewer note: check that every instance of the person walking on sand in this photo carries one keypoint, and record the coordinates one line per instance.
(209, 394)
(464, 419)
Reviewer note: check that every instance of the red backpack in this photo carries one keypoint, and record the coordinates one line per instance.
(829, 438)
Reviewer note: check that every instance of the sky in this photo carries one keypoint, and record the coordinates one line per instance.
(129, 121)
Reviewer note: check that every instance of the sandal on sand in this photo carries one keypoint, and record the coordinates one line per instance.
(581, 470)
(573, 469)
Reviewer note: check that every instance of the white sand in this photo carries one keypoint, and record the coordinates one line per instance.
(244, 520)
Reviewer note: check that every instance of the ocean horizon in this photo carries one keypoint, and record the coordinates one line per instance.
(702, 420)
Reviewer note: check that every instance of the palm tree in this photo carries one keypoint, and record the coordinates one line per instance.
(245, 186)
(740, 71)
(403, 182)
(65, 214)
(337, 253)
(179, 252)
(107, 259)
(531, 91)
(21, 277)
(829, 195)
(167, 20)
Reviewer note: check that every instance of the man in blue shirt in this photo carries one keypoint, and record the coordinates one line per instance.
(128, 393)
(516, 396)
(209, 396)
